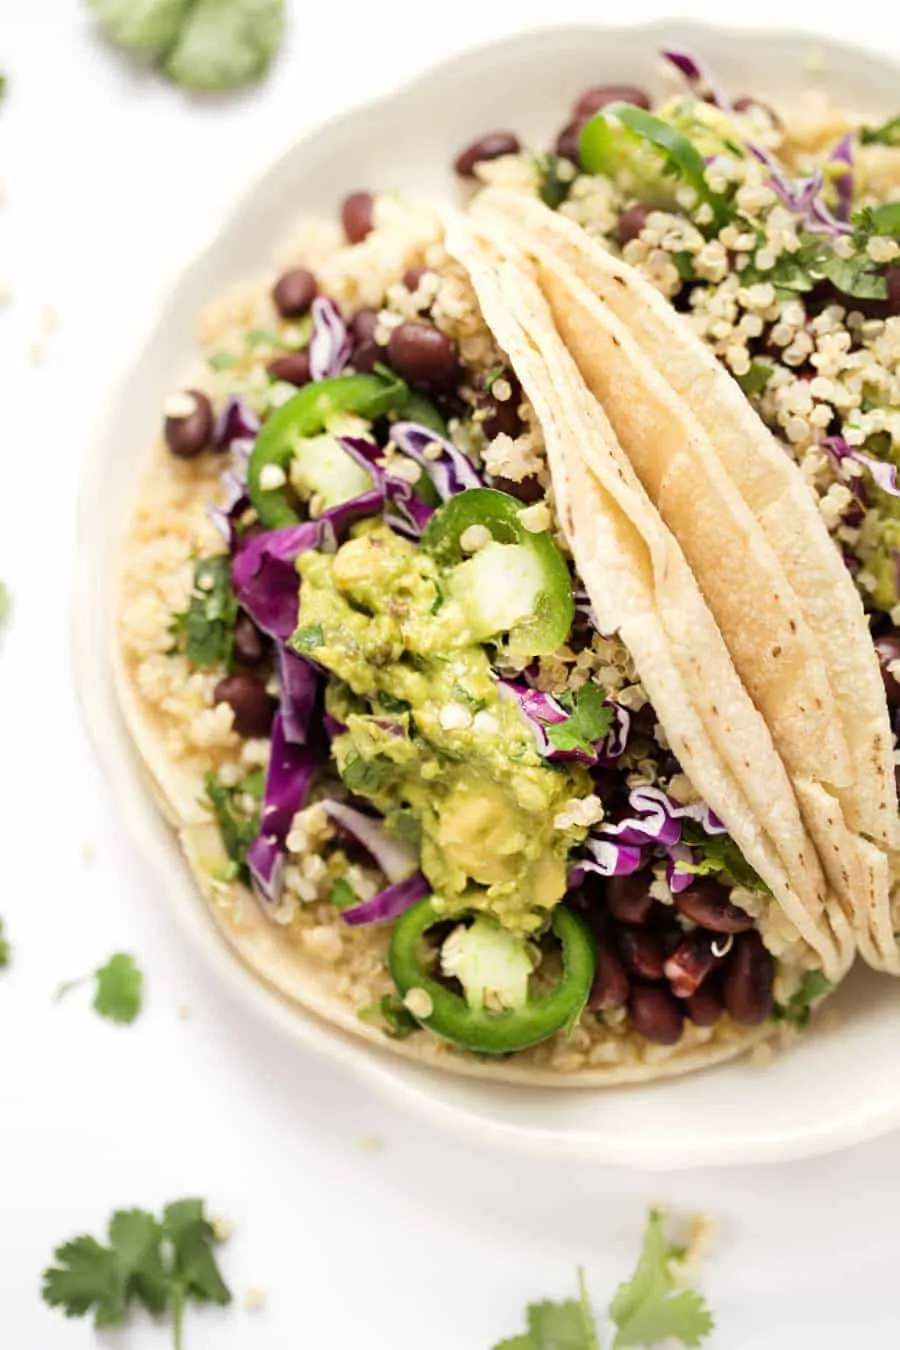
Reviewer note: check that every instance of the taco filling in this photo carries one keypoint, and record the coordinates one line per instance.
(371, 690)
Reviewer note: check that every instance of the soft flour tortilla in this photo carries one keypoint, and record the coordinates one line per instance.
(641, 588)
(636, 583)
(749, 525)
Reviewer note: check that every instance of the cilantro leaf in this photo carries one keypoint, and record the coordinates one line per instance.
(567, 1325)
(719, 853)
(223, 44)
(589, 721)
(798, 1009)
(756, 378)
(237, 826)
(555, 177)
(309, 638)
(160, 1265)
(888, 133)
(118, 995)
(204, 631)
(342, 894)
(646, 1309)
(119, 989)
(5, 949)
(365, 776)
(200, 44)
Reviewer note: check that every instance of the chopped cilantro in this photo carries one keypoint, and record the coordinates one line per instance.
(365, 776)
(237, 827)
(158, 1264)
(647, 1308)
(494, 374)
(221, 360)
(684, 264)
(395, 1020)
(555, 177)
(204, 632)
(798, 1008)
(387, 703)
(308, 638)
(341, 895)
(719, 853)
(756, 378)
(405, 824)
(5, 949)
(589, 720)
(567, 1325)
(461, 694)
(119, 991)
(888, 133)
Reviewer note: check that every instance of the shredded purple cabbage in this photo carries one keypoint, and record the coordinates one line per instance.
(404, 511)
(394, 858)
(884, 474)
(390, 903)
(679, 880)
(330, 344)
(236, 423)
(700, 78)
(298, 684)
(289, 778)
(450, 471)
(264, 575)
(610, 859)
(843, 154)
(541, 710)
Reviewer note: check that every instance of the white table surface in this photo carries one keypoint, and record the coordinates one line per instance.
(111, 179)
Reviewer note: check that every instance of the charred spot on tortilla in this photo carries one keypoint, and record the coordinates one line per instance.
(776, 652)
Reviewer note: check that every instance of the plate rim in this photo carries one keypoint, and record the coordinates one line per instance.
(120, 767)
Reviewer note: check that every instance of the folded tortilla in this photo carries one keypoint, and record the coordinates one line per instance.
(751, 531)
(642, 588)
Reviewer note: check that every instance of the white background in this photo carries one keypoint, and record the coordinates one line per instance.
(112, 178)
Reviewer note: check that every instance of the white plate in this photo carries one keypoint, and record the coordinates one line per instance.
(836, 1088)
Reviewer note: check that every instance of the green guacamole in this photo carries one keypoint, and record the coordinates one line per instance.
(430, 741)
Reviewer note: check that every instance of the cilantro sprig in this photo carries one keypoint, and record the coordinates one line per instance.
(589, 720)
(645, 1310)
(718, 853)
(118, 995)
(798, 1008)
(161, 1265)
(237, 824)
(204, 632)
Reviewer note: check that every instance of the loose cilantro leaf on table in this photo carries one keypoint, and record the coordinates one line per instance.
(647, 1308)
(237, 826)
(798, 1009)
(5, 949)
(204, 632)
(567, 1325)
(589, 720)
(205, 45)
(119, 991)
(161, 1265)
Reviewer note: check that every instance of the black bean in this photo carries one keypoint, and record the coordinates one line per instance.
(357, 216)
(611, 983)
(528, 490)
(366, 356)
(887, 649)
(706, 903)
(363, 324)
(747, 985)
(566, 145)
(642, 952)
(293, 368)
(695, 957)
(190, 434)
(423, 355)
(592, 100)
(294, 292)
(628, 898)
(655, 1014)
(705, 1007)
(253, 708)
(249, 643)
(413, 275)
(631, 222)
(491, 146)
(503, 413)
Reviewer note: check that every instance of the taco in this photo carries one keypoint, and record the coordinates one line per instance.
(721, 479)
(451, 742)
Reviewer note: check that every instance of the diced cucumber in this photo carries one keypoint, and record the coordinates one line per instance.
(498, 588)
(321, 467)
